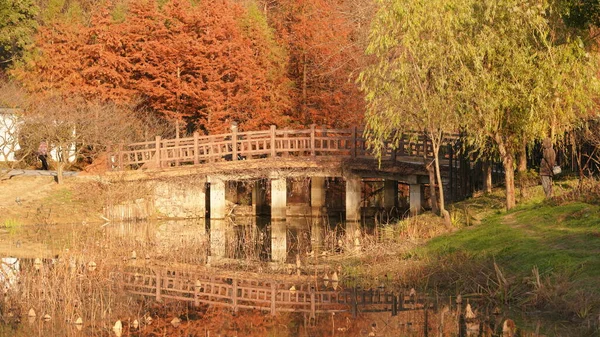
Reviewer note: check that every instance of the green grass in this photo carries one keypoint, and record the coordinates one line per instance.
(12, 226)
(554, 238)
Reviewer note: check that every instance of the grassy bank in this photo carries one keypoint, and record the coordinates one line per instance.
(542, 258)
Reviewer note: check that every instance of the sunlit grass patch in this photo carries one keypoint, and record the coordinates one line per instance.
(553, 238)
(12, 226)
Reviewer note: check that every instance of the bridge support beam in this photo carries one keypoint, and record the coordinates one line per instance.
(416, 198)
(278, 199)
(278, 241)
(217, 198)
(353, 198)
(390, 194)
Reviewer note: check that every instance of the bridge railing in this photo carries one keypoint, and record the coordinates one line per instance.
(200, 149)
(265, 295)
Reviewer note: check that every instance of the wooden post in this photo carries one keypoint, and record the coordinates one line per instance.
(196, 149)
(394, 305)
(312, 140)
(157, 155)
(197, 286)
(234, 147)
(353, 149)
(211, 149)
(273, 150)
(324, 142)
(235, 295)
(158, 297)
(212, 287)
(313, 305)
(285, 143)
(401, 302)
(273, 298)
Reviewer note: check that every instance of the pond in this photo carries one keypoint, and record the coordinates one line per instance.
(62, 286)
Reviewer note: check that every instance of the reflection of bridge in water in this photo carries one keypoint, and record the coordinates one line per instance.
(309, 295)
(280, 173)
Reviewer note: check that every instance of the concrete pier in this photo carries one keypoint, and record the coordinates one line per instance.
(390, 194)
(317, 196)
(217, 198)
(416, 198)
(278, 199)
(353, 199)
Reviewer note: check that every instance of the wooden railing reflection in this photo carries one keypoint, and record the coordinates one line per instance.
(265, 295)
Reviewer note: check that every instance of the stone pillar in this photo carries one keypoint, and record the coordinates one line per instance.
(278, 241)
(317, 195)
(390, 194)
(416, 198)
(259, 197)
(278, 198)
(318, 211)
(353, 199)
(217, 198)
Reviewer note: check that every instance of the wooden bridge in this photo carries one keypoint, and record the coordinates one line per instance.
(255, 145)
(280, 158)
(274, 296)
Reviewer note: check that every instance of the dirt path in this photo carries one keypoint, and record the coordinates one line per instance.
(21, 197)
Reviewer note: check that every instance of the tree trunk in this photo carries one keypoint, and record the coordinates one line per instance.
(486, 167)
(433, 196)
(304, 93)
(509, 177)
(59, 172)
(442, 208)
(508, 161)
(522, 158)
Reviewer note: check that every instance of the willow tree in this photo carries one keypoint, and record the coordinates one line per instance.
(528, 79)
(414, 84)
(504, 68)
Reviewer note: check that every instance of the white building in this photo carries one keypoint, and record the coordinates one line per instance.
(9, 143)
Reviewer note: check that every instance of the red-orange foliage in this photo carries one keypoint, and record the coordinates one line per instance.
(324, 60)
(188, 62)
(210, 63)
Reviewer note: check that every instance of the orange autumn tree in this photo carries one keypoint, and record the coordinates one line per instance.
(194, 63)
(324, 59)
